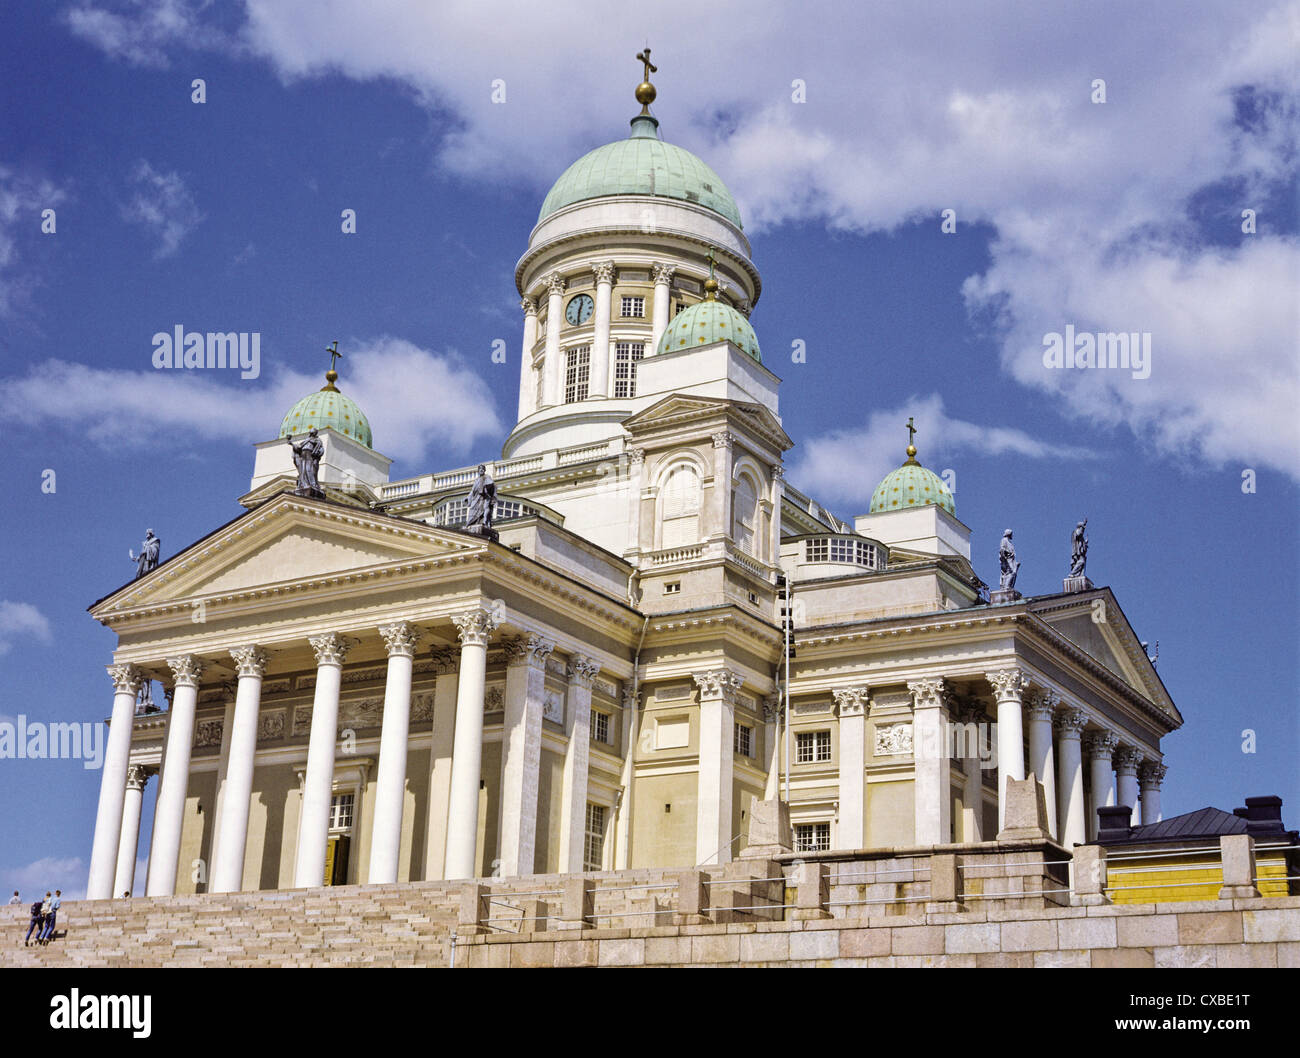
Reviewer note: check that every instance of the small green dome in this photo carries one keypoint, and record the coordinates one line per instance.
(327, 408)
(707, 322)
(642, 164)
(911, 485)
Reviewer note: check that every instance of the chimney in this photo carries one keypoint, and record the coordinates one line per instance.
(1113, 823)
(1263, 815)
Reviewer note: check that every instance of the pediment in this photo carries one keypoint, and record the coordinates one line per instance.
(1092, 636)
(285, 541)
(678, 408)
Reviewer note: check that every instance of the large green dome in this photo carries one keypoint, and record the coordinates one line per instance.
(642, 164)
(707, 322)
(327, 408)
(911, 485)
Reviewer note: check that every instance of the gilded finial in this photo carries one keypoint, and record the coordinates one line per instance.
(911, 448)
(332, 376)
(645, 91)
(711, 284)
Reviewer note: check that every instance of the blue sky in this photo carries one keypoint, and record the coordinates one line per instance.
(1123, 215)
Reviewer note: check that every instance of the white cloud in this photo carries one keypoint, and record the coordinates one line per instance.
(416, 401)
(163, 205)
(910, 110)
(23, 197)
(22, 619)
(142, 32)
(846, 465)
(34, 879)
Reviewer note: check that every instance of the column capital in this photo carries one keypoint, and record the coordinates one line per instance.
(603, 271)
(555, 284)
(1151, 773)
(930, 692)
(582, 670)
(718, 683)
(126, 678)
(445, 660)
(636, 456)
(629, 698)
(475, 627)
(1127, 760)
(1070, 722)
(186, 670)
(400, 638)
(722, 439)
(774, 709)
(529, 305)
(330, 648)
(777, 471)
(1041, 703)
(136, 776)
(663, 273)
(530, 649)
(853, 701)
(1101, 744)
(1008, 684)
(250, 660)
(970, 712)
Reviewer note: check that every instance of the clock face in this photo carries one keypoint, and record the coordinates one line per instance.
(579, 310)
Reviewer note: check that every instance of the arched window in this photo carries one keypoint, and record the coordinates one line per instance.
(680, 506)
(744, 513)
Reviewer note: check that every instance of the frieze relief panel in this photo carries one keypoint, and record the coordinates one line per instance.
(893, 740)
(208, 733)
(270, 726)
(553, 707)
(422, 707)
(494, 699)
(276, 686)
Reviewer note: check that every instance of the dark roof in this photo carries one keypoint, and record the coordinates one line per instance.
(1203, 823)
(1261, 817)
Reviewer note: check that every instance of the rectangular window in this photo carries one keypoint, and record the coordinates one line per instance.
(341, 806)
(633, 307)
(577, 370)
(593, 855)
(744, 740)
(812, 837)
(600, 726)
(816, 550)
(840, 549)
(626, 355)
(812, 747)
(679, 307)
(672, 587)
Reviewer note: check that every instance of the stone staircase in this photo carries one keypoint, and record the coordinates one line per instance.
(357, 925)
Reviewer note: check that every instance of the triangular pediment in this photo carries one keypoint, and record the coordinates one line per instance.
(287, 540)
(678, 408)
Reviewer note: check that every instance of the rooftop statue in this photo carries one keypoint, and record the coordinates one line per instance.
(147, 559)
(1079, 549)
(306, 457)
(482, 502)
(1008, 563)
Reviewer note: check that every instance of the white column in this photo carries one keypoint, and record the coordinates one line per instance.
(663, 277)
(444, 727)
(318, 785)
(773, 715)
(635, 474)
(1009, 685)
(713, 836)
(1127, 759)
(972, 794)
(631, 718)
(1071, 824)
(852, 707)
(112, 783)
(223, 766)
(475, 627)
(1100, 746)
(1040, 705)
(717, 518)
(602, 376)
(390, 778)
(577, 758)
(1150, 776)
(932, 797)
(173, 784)
(778, 498)
(527, 384)
(232, 828)
(128, 847)
(553, 382)
(521, 752)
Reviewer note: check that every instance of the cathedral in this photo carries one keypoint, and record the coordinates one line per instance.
(605, 648)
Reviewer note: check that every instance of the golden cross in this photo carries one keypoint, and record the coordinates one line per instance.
(333, 350)
(649, 69)
(911, 430)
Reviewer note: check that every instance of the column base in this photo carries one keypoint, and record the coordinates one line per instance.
(1001, 596)
(805, 914)
(1090, 900)
(691, 920)
(1073, 584)
(483, 531)
(945, 907)
(1238, 892)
